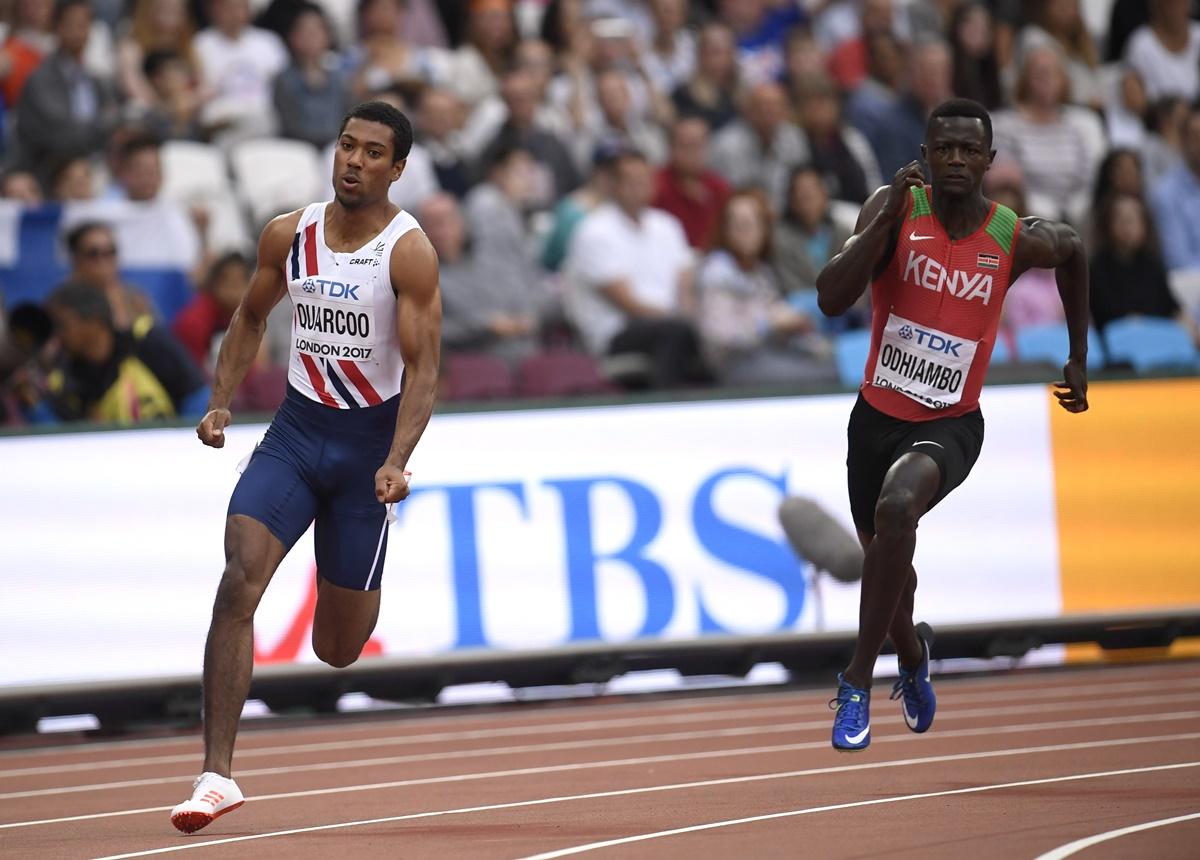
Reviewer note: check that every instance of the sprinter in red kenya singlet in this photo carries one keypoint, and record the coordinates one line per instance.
(939, 259)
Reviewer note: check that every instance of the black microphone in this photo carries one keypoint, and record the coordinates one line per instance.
(819, 538)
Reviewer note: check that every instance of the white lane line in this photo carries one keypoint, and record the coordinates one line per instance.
(733, 822)
(632, 762)
(708, 783)
(667, 737)
(1002, 686)
(1071, 694)
(1087, 842)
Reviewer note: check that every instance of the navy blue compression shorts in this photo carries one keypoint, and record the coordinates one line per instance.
(317, 462)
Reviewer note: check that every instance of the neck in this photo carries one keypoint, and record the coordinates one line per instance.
(1041, 113)
(745, 262)
(960, 216)
(352, 226)
(634, 213)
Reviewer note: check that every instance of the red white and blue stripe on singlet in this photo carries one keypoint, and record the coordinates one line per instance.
(343, 375)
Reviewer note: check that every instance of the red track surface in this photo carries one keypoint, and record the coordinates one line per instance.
(1015, 766)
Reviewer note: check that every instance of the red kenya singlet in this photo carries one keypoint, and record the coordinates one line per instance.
(935, 310)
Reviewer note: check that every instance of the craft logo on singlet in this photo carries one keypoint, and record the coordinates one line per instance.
(923, 271)
(928, 365)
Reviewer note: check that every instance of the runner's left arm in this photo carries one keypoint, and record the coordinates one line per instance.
(414, 270)
(1044, 244)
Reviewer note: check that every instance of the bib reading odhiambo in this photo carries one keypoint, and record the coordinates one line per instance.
(935, 313)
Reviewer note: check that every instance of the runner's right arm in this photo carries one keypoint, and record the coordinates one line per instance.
(848, 274)
(244, 336)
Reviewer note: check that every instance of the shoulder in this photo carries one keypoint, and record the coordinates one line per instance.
(1141, 40)
(276, 238)
(717, 267)
(414, 264)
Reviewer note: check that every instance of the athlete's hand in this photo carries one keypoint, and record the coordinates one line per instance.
(908, 176)
(211, 429)
(1074, 396)
(391, 484)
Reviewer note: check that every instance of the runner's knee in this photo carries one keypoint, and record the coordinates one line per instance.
(338, 653)
(896, 513)
(239, 593)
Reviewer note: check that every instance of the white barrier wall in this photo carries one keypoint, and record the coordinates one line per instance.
(524, 530)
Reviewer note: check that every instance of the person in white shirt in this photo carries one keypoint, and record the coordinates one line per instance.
(238, 63)
(629, 282)
(1166, 52)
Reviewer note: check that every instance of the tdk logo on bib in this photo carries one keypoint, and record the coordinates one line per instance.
(936, 342)
(331, 289)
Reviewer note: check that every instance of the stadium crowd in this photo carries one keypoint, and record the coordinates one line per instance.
(623, 193)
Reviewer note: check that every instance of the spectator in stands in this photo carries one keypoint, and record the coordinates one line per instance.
(670, 56)
(156, 27)
(1119, 173)
(555, 163)
(618, 121)
(1166, 52)
(878, 108)
(1177, 201)
(1162, 150)
(64, 110)
(73, 179)
(479, 312)
(1127, 274)
(973, 44)
(806, 237)
(473, 71)
(208, 315)
(111, 375)
(630, 281)
(761, 148)
(848, 61)
(572, 209)
(839, 151)
(383, 58)
(30, 39)
(495, 213)
(1059, 24)
(686, 187)
(760, 29)
(93, 253)
(238, 63)
(22, 186)
(806, 59)
(173, 109)
(751, 335)
(709, 93)
(1057, 145)
(439, 122)
(313, 93)
(1127, 111)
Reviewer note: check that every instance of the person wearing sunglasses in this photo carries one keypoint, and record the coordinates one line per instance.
(92, 248)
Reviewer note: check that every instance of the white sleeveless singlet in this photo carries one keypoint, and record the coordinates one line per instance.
(345, 349)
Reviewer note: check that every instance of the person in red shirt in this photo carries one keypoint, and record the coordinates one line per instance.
(939, 260)
(686, 187)
(209, 313)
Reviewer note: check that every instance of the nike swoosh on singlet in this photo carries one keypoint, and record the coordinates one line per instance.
(914, 237)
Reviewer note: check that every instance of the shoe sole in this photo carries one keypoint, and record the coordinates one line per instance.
(851, 749)
(190, 822)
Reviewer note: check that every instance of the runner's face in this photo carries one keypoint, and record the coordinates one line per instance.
(957, 152)
(363, 168)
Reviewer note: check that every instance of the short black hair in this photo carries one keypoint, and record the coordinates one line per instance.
(32, 319)
(385, 114)
(223, 262)
(966, 108)
(138, 142)
(505, 146)
(61, 7)
(86, 302)
(75, 234)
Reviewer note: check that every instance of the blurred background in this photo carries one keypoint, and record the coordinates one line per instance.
(604, 466)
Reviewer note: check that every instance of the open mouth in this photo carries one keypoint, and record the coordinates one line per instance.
(350, 181)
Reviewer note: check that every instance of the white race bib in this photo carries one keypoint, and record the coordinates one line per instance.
(333, 317)
(928, 365)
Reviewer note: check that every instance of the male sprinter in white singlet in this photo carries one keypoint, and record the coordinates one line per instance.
(364, 282)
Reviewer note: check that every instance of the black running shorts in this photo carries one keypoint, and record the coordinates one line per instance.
(877, 440)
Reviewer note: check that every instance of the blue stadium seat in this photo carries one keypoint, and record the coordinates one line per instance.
(1051, 343)
(1150, 342)
(851, 350)
(1001, 354)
